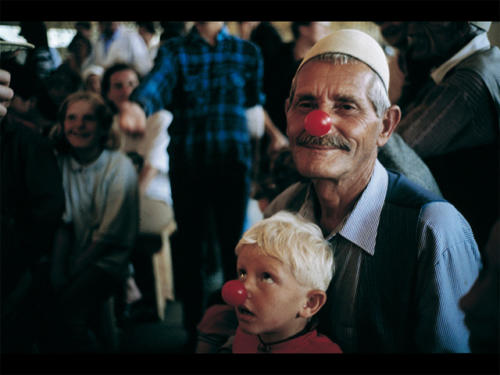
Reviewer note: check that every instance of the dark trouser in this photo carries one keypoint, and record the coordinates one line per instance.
(77, 311)
(21, 323)
(210, 210)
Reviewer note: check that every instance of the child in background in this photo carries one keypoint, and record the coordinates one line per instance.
(100, 223)
(285, 265)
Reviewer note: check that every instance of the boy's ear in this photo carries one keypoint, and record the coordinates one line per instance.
(315, 301)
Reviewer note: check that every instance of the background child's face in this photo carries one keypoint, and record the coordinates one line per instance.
(81, 127)
(274, 296)
(121, 85)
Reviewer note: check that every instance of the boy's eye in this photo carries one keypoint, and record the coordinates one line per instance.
(267, 277)
(346, 106)
(242, 274)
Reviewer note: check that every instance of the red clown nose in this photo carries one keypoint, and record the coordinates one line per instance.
(234, 293)
(317, 123)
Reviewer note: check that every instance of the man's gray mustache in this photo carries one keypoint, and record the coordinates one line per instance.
(332, 140)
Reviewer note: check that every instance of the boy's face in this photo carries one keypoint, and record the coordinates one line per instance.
(274, 296)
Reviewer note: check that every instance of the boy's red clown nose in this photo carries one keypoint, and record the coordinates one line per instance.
(234, 293)
(317, 123)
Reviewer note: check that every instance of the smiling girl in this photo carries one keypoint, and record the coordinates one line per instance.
(100, 223)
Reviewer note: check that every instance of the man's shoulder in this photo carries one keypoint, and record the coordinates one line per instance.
(481, 61)
(290, 199)
(403, 192)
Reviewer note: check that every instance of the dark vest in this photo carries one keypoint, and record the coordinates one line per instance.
(485, 63)
(386, 303)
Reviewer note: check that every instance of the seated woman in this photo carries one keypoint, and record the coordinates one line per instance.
(92, 248)
(148, 151)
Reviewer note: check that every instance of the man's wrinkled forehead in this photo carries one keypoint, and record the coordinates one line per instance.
(312, 79)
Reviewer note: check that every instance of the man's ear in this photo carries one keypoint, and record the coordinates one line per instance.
(315, 301)
(389, 123)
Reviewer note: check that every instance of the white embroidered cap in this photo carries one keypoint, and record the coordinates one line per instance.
(355, 43)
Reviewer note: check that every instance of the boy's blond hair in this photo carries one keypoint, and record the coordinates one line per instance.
(297, 243)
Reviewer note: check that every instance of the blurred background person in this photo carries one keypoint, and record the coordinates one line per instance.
(31, 204)
(149, 150)
(451, 111)
(92, 77)
(147, 31)
(118, 44)
(80, 47)
(210, 149)
(42, 60)
(99, 226)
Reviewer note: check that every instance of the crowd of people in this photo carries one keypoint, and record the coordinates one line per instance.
(390, 239)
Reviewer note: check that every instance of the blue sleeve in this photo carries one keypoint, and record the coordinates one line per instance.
(155, 90)
(449, 263)
(254, 87)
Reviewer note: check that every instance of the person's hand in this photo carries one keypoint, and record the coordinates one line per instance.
(132, 119)
(6, 92)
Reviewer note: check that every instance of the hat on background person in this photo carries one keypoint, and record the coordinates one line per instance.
(92, 70)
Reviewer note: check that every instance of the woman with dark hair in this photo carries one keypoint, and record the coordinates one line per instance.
(149, 153)
(92, 247)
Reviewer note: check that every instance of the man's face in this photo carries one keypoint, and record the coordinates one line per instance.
(274, 297)
(429, 40)
(394, 33)
(341, 91)
(121, 85)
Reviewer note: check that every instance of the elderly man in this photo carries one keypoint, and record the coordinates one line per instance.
(404, 256)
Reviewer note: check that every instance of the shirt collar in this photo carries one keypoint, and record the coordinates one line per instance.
(96, 164)
(479, 43)
(361, 225)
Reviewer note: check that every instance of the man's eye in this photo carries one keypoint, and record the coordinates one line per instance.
(266, 277)
(242, 274)
(346, 107)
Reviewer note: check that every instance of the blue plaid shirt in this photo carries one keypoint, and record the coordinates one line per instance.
(207, 88)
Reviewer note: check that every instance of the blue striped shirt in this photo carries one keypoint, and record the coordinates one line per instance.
(207, 88)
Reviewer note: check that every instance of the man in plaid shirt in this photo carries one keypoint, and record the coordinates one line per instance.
(208, 80)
